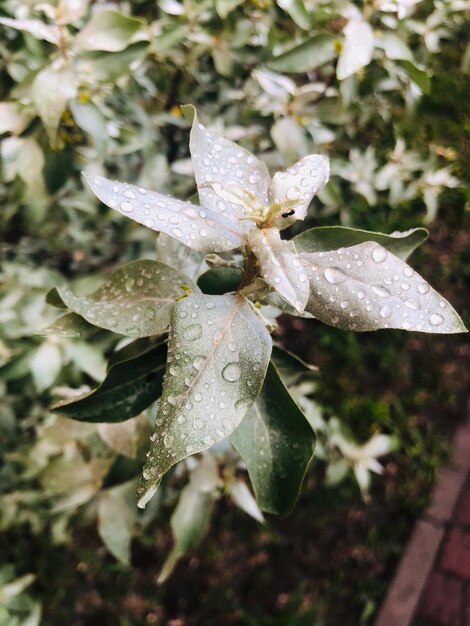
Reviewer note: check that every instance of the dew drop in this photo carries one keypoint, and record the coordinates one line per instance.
(127, 207)
(436, 319)
(177, 232)
(380, 291)
(408, 272)
(192, 332)
(198, 363)
(334, 276)
(231, 372)
(379, 254)
(412, 304)
(423, 288)
(385, 312)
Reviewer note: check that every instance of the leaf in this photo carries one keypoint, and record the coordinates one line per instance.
(219, 280)
(280, 265)
(218, 160)
(417, 75)
(50, 92)
(135, 301)
(289, 366)
(297, 11)
(69, 325)
(108, 30)
(325, 238)
(394, 47)
(130, 387)
(243, 498)
(45, 364)
(308, 55)
(276, 442)
(199, 228)
(191, 517)
(126, 438)
(217, 358)
(110, 66)
(365, 287)
(357, 48)
(12, 118)
(298, 184)
(36, 28)
(90, 119)
(86, 358)
(116, 521)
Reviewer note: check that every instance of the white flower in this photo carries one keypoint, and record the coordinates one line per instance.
(240, 205)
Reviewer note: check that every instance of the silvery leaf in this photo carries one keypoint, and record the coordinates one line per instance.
(219, 160)
(199, 228)
(365, 287)
(218, 353)
(297, 186)
(280, 266)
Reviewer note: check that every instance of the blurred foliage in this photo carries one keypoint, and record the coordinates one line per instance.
(97, 87)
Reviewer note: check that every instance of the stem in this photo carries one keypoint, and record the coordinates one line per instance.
(250, 270)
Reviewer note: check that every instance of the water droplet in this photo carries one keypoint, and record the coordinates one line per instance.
(382, 292)
(412, 304)
(405, 286)
(192, 332)
(153, 437)
(408, 272)
(168, 440)
(361, 295)
(334, 276)
(423, 288)
(385, 312)
(127, 207)
(177, 232)
(436, 319)
(198, 397)
(198, 362)
(231, 372)
(379, 254)
(210, 306)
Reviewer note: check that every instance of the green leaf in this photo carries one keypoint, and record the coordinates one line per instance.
(276, 442)
(191, 517)
(393, 46)
(365, 287)
(308, 55)
(136, 300)
(297, 11)
(219, 280)
(107, 30)
(90, 119)
(324, 238)
(129, 387)
(109, 66)
(417, 75)
(217, 359)
(53, 298)
(116, 520)
(289, 366)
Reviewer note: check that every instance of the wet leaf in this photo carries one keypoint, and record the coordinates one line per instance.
(276, 442)
(280, 266)
(199, 228)
(365, 287)
(136, 300)
(69, 325)
(217, 359)
(325, 238)
(298, 185)
(218, 160)
(129, 387)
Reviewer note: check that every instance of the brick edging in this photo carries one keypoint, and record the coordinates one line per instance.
(416, 564)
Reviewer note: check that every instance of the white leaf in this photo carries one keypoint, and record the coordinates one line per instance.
(12, 119)
(51, 90)
(199, 228)
(69, 11)
(297, 185)
(280, 266)
(218, 353)
(116, 521)
(357, 48)
(365, 287)
(36, 28)
(244, 499)
(108, 30)
(219, 160)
